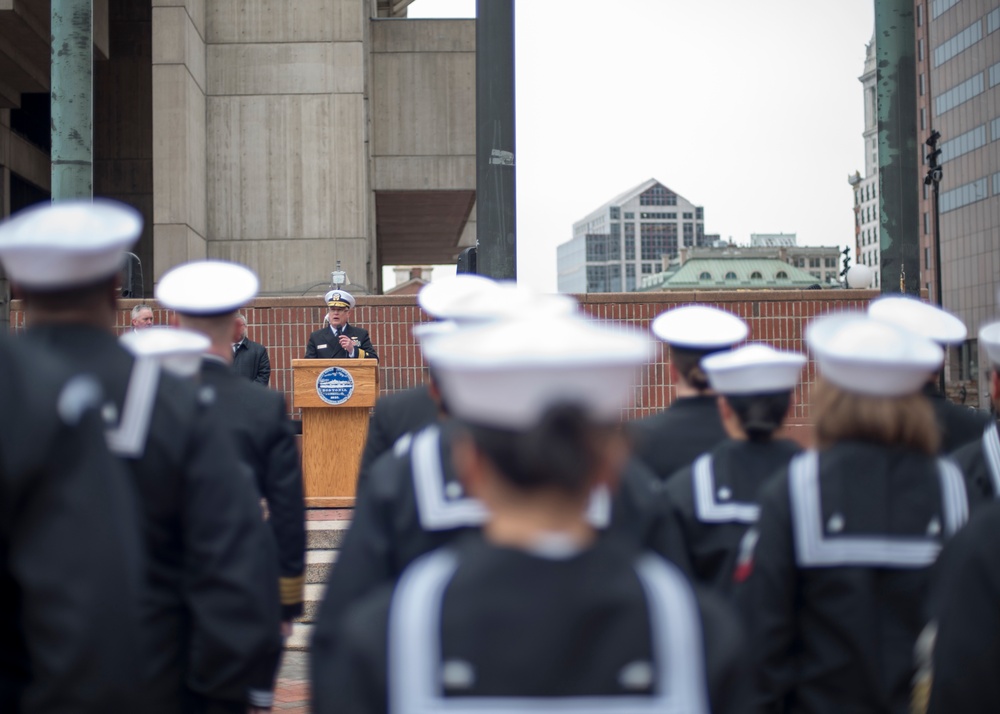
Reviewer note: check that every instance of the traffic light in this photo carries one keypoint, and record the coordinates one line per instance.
(934, 172)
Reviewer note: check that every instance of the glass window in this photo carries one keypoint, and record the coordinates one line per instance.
(927, 258)
(963, 195)
(814, 262)
(993, 21)
(688, 234)
(629, 241)
(995, 75)
(597, 248)
(597, 279)
(938, 7)
(630, 277)
(730, 275)
(755, 275)
(959, 43)
(920, 14)
(959, 94)
(699, 213)
(963, 144)
(781, 275)
(995, 129)
(629, 215)
(647, 268)
(927, 223)
(922, 84)
(657, 196)
(688, 216)
(705, 275)
(829, 262)
(920, 49)
(615, 213)
(657, 240)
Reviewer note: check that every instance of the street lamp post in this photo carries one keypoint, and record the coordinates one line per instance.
(933, 179)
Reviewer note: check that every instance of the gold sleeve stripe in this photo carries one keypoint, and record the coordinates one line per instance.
(292, 590)
(361, 353)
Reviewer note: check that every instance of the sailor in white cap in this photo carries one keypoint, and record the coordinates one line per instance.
(840, 577)
(536, 612)
(690, 426)
(462, 299)
(339, 339)
(714, 501)
(959, 425)
(967, 644)
(206, 296)
(71, 558)
(177, 351)
(412, 500)
(211, 612)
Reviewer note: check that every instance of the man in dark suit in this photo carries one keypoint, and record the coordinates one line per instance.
(250, 358)
(340, 339)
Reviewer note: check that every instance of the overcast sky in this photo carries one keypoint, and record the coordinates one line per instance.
(750, 109)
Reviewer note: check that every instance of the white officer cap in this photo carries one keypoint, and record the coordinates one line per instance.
(207, 287)
(926, 320)
(339, 298)
(989, 338)
(699, 327)
(467, 298)
(178, 351)
(753, 369)
(489, 376)
(863, 355)
(69, 244)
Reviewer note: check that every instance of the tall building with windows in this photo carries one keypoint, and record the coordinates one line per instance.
(628, 237)
(959, 43)
(866, 203)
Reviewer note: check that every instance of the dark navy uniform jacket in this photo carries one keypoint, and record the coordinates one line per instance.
(264, 435)
(672, 439)
(323, 344)
(841, 576)
(211, 608)
(70, 560)
(715, 500)
(412, 502)
(394, 415)
(480, 627)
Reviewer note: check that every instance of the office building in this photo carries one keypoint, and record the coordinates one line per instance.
(866, 203)
(627, 238)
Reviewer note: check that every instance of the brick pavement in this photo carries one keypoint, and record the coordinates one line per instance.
(291, 695)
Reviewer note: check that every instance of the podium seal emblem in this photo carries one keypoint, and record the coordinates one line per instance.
(334, 385)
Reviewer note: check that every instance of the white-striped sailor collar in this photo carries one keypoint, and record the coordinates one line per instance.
(815, 548)
(712, 504)
(991, 452)
(128, 438)
(415, 655)
(443, 505)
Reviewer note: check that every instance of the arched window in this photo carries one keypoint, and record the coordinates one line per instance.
(705, 276)
(782, 275)
(755, 275)
(730, 275)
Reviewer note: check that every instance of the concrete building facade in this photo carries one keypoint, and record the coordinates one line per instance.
(866, 200)
(289, 136)
(960, 45)
(628, 238)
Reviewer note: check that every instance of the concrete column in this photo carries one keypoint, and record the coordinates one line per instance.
(897, 146)
(72, 99)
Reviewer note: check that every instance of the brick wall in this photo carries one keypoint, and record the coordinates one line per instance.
(777, 317)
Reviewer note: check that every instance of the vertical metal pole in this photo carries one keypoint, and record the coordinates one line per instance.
(897, 146)
(72, 99)
(496, 217)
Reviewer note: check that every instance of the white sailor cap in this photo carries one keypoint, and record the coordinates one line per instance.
(989, 338)
(58, 246)
(863, 355)
(427, 332)
(926, 320)
(753, 369)
(207, 287)
(488, 377)
(699, 327)
(467, 298)
(339, 298)
(178, 351)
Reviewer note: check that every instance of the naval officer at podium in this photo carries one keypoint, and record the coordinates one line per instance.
(339, 339)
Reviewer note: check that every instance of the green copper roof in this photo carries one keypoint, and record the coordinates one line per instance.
(732, 273)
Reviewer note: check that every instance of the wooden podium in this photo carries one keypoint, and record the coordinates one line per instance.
(335, 396)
